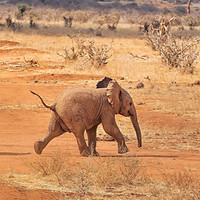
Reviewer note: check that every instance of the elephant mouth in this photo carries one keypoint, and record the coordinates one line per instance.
(129, 114)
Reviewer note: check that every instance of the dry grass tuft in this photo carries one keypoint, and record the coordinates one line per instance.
(53, 167)
(182, 180)
(47, 167)
(114, 172)
(181, 185)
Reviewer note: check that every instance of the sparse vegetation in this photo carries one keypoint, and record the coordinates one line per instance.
(68, 21)
(22, 8)
(180, 53)
(98, 55)
(76, 50)
(44, 49)
(96, 173)
(99, 179)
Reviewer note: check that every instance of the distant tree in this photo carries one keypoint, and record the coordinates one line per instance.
(22, 8)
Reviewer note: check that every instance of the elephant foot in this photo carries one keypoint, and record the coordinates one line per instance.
(85, 153)
(123, 149)
(37, 147)
(94, 153)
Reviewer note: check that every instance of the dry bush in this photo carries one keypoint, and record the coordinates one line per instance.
(32, 24)
(110, 20)
(14, 26)
(178, 53)
(192, 21)
(76, 50)
(68, 21)
(100, 20)
(98, 54)
(81, 16)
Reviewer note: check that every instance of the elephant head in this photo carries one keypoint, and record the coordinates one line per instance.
(122, 103)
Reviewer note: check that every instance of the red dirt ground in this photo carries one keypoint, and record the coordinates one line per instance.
(21, 126)
(162, 4)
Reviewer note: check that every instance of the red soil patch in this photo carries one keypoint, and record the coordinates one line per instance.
(162, 4)
(56, 77)
(8, 43)
(11, 193)
(19, 51)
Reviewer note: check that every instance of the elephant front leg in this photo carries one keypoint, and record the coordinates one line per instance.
(91, 133)
(111, 128)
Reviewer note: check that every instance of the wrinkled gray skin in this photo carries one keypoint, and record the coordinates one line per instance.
(78, 110)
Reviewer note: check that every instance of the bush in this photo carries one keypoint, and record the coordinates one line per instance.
(22, 8)
(76, 50)
(177, 53)
(97, 55)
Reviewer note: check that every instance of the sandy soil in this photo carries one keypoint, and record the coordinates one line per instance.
(23, 120)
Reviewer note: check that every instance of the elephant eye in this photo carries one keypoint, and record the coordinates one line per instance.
(131, 104)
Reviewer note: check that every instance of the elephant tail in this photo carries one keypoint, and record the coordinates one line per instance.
(53, 108)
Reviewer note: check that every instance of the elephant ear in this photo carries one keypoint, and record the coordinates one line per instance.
(114, 92)
(104, 82)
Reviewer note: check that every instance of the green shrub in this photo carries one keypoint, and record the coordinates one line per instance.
(22, 8)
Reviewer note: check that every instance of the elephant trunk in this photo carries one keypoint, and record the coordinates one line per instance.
(136, 126)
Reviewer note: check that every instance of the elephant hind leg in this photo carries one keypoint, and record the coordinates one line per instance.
(91, 133)
(55, 130)
(83, 148)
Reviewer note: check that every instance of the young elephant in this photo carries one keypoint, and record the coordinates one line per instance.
(80, 109)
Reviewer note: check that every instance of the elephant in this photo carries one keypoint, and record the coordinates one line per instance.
(78, 110)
